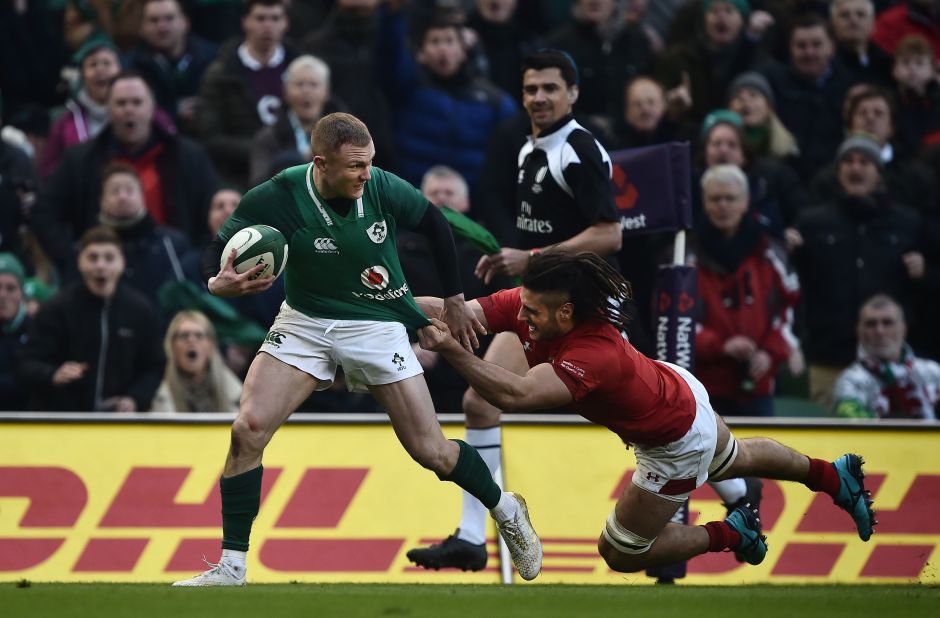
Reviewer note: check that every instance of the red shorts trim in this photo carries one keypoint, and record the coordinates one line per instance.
(677, 486)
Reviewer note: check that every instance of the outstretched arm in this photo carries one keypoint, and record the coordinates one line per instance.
(539, 389)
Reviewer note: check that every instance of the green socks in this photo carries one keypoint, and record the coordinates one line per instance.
(472, 475)
(241, 499)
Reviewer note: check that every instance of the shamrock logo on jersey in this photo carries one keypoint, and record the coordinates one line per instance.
(377, 232)
(399, 361)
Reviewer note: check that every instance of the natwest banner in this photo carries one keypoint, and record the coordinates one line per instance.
(652, 188)
(83, 502)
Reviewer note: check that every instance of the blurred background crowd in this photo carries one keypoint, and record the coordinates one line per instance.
(130, 129)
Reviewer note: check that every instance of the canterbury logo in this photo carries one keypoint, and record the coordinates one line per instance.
(325, 244)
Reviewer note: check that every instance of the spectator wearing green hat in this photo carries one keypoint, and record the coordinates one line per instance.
(86, 113)
(14, 326)
(726, 45)
(114, 19)
(776, 193)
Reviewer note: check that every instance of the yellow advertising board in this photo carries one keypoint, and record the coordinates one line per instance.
(139, 502)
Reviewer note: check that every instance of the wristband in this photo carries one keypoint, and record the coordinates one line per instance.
(534, 252)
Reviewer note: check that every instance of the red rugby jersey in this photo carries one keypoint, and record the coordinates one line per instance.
(641, 400)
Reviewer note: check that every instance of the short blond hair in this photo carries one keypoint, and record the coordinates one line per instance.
(334, 130)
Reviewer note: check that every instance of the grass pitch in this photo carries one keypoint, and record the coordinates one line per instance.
(442, 601)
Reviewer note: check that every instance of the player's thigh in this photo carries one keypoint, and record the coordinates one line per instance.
(409, 407)
(272, 391)
(506, 351)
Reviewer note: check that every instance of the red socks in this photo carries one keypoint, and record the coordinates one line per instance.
(721, 536)
(822, 477)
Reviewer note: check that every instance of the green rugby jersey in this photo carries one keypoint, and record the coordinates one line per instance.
(344, 268)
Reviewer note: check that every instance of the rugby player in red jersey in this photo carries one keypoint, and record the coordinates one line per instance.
(568, 319)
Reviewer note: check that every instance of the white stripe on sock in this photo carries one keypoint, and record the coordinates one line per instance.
(473, 515)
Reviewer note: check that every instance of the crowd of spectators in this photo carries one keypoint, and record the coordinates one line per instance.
(130, 129)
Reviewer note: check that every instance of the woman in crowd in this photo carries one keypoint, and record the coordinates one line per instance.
(751, 97)
(196, 377)
(777, 194)
(86, 112)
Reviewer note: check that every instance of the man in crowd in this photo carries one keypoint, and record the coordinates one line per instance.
(443, 113)
(887, 380)
(172, 59)
(853, 22)
(176, 174)
(152, 252)
(809, 93)
(93, 346)
(847, 250)
(243, 89)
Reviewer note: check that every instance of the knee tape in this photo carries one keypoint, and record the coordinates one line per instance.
(724, 459)
(623, 540)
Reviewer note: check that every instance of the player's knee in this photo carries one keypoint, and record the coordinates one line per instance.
(620, 562)
(429, 456)
(247, 434)
(478, 411)
(624, 551)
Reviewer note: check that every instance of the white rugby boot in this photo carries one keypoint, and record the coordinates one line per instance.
(520, 537)
(225, 573)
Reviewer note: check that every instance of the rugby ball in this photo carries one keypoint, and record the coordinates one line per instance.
(257, 244)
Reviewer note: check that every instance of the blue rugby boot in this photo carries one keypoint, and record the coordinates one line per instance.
(752, 547)
(853, 498)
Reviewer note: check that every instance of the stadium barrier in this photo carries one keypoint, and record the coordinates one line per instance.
(134, 498)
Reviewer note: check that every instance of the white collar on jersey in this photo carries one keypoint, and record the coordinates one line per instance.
(360, 212)
(274, 61)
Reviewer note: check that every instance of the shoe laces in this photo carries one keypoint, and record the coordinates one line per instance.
(511, 529)
(218, 567)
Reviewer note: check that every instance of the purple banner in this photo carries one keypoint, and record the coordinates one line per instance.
(652, 188)
(675, 296)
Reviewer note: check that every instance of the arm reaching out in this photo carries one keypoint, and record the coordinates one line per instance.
(539, 389)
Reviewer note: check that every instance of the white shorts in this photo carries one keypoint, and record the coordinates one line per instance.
(371, 353)
(673, 470)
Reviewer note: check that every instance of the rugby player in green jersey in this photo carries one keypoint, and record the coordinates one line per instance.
(347, 304)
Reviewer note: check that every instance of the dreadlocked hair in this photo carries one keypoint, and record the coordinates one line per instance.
(595, 290)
